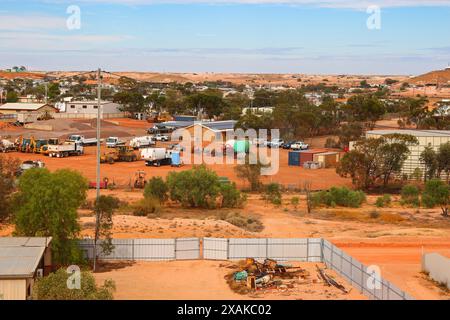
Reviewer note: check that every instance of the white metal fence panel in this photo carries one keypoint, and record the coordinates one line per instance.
(239, 249)
(215, 249)
(154, 249)
(288, 249)
(314, 250)
(187, 248)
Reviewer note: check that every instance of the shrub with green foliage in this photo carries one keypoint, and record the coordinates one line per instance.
(54, 287)
(383, 201)
(147, 207)
(156, 188)
(343, 197)
(295, 201)
(437, 193)
(231, 196)
(272, 193)
(46, 205)
(200, 187)
(248, 223)
(410, 196)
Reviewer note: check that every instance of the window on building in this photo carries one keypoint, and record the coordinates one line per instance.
(84, 107)
(72, 107)
(95, 107)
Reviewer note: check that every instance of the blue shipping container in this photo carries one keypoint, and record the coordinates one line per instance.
(294, 158)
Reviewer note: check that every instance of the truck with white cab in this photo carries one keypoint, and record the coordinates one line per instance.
(142, 142)
(113, 142)
(65, 150)
(76, 138)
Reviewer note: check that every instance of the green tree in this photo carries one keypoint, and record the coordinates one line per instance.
(272, 193)
(54, 287)
(443, 159)
(8, 169)
(365, 108)
(430, 160)
(250, 172)
(104, 208)
(157, 188)
(46, 205)
(376, 159)
(437, 193)
(350, 132)
(12, 96)
(196, 188)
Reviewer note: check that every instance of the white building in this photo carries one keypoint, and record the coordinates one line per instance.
(433, 138)
(90, 107)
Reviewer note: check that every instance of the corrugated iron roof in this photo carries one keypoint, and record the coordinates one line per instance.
(22, 106)
(19, 261)
(415, 133)
(24, 242)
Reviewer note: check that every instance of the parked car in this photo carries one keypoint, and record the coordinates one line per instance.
(287, 145)
(161, 137)
(299, 145)
(275, 143)
(259, 142)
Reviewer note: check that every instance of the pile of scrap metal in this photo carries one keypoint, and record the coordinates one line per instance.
(270, 274)
(329, 281)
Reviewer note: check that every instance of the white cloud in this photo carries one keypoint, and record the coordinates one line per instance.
(350, 4)
(31, 22)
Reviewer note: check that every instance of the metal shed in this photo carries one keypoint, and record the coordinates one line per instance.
(22, 260)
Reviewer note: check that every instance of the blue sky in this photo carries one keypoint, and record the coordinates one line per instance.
(255, 36)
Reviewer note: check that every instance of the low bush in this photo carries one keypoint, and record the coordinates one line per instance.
(147, 207)
(410, 196)
(343, 197)
(295, 201)
(55, 287)
(272, 193)
(383, 201)
(231, 196)
(156, 188)
(248, 223)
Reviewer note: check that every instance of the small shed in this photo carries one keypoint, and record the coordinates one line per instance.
(327, 159)
(308, 155)
(22, 260)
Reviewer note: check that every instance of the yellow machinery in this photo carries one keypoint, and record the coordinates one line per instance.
(44, 148)
(119, 154)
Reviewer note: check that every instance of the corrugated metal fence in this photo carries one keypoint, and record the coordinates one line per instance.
(303, 249)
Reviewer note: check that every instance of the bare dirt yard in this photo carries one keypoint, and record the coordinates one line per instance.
(191, 280)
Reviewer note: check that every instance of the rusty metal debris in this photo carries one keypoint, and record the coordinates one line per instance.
(329, 281)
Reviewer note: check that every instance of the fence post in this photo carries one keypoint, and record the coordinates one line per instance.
(322, 247)
(307, 249)
(132, 251)
(267, 248)
(228, 249)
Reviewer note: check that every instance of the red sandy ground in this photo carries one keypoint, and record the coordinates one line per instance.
(123, 173)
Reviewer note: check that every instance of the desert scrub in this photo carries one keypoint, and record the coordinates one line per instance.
(147, 207)
(251, 224)
(383, 201)
(342, 197)
(272, 194)
(410, 196)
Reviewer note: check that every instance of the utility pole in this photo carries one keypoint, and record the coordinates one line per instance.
(46, 93)
(99, 97)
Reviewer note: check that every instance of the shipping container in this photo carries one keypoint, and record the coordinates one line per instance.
(294, 158)
(327, 159)
(308, 155)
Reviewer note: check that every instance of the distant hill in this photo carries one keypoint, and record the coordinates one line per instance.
(441, 76)
(23, 75)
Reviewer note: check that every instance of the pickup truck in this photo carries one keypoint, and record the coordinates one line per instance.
(29, 164)
(299, 145)
(6, 146)
(81, 139)
(161, 137)
(113, 142)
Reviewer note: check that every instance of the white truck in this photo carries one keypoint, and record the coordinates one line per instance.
(6, 146)
(299, 145)
(142, 142)
(29, 164)
(113, 142)
(65, 150)
(156, 156)
(82, 140)
(161, 137)
(275, 143)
